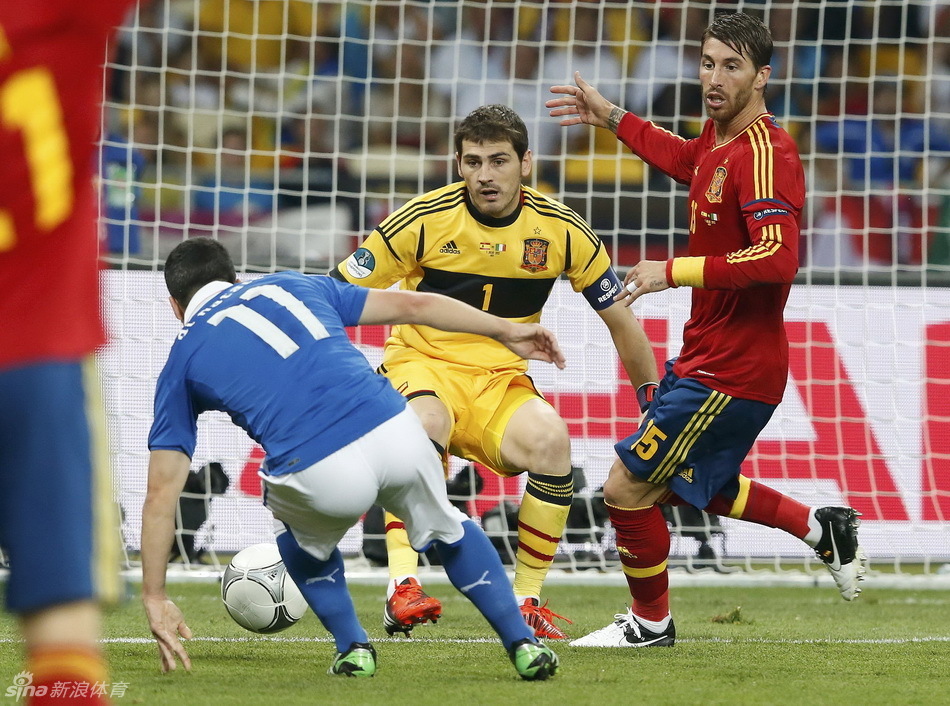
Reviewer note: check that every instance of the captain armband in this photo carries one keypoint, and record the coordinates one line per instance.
(601, 293)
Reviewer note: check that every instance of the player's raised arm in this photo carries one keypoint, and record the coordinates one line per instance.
(584, 105)
(530, 341)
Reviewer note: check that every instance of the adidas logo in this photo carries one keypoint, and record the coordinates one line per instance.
(450, 248)
(686, 474)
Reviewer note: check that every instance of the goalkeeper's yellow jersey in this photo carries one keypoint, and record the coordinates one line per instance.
(506, 266)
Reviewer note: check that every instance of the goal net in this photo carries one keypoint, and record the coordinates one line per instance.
(288, 129)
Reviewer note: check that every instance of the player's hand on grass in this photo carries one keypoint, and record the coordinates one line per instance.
(167, 623)
(583, 103)
(646, 276)
(534, 342)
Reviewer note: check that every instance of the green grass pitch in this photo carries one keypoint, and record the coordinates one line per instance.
(754, 645)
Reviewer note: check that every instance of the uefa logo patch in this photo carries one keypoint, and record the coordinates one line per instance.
(361, 263)
(609, 288)
(766, 212)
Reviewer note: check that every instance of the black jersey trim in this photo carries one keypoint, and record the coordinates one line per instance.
(388, 245)
(401, 219)
(490, 221)
(553, 209)
(421, 245)
(509, 297)
(593, 257)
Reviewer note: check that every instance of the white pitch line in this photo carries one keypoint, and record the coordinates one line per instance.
(476, 640)
(267, 638)
(818, 641)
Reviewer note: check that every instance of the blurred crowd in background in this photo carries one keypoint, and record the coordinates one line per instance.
(266, 120)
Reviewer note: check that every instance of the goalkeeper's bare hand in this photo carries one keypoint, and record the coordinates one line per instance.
(646, 276)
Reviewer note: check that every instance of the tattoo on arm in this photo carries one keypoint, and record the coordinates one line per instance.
(613, 120)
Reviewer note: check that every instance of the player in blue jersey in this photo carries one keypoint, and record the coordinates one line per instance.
(274, 355)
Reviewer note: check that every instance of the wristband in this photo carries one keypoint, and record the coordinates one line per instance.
(645, 394)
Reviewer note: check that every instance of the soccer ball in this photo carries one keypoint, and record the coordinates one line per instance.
(259, 593)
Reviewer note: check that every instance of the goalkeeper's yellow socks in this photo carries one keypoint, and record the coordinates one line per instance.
(541, 520)
(643, 542)
(403, 559)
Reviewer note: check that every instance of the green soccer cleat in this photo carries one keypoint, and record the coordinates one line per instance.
(358, 661)
(533, 660)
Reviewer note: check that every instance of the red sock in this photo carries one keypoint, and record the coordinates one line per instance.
(73, 674)
(643, 542)
(761, 504)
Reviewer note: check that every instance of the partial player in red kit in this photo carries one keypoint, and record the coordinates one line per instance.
(746, 193)
(54, 492)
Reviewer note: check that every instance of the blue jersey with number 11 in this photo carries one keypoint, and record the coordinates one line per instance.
(274, 355)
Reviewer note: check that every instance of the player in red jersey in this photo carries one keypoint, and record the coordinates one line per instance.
(746, 193)
(51, 497)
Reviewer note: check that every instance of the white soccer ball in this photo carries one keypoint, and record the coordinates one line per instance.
(259, 593)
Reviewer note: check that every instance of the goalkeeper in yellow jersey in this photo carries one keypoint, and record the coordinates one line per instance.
(499, 246)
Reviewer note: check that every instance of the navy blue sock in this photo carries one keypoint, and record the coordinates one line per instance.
(473, 566)
(323, 584)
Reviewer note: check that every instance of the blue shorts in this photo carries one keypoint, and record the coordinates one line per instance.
(47, 518)
(693, 439)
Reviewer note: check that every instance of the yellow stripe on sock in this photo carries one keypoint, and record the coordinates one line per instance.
(644, 573)
(403, 559)
(536, 520)
(628, 509)
(738, 505)
(65, 661)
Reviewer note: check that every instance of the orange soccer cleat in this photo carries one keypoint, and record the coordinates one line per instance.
(409, 606)
(541, 618)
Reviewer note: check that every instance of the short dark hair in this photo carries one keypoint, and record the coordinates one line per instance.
(493, 123)
(744, 34)
(192, 264)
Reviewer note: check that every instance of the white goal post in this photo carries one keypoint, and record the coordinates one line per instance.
(289, 128)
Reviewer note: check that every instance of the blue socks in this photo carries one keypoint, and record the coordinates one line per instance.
(472, 564)
(324, 587)
(473, 567)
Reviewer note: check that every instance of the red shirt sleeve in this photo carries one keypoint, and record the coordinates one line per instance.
(771, 196)
(660, 148)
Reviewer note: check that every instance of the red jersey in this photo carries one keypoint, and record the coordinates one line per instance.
(745, 203)
(51, 79)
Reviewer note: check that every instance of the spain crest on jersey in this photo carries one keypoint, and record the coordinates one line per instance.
(535, 256)
(714, 192)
